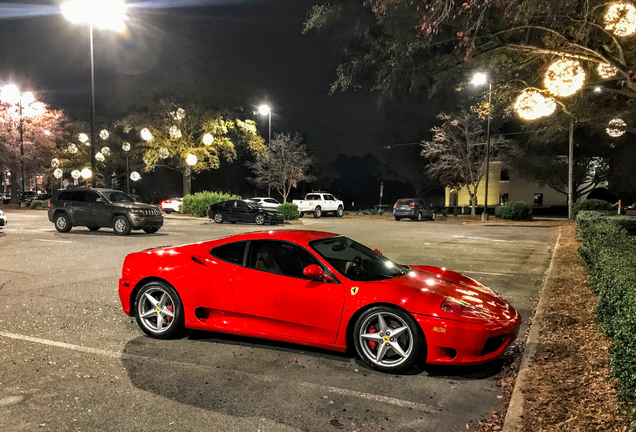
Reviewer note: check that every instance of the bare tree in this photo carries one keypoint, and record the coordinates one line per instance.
(283, 165)
(458, 151)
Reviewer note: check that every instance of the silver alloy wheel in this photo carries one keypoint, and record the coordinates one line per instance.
(156, 309)
(386, 339)
(340, 212)
(218, 218)
(120, 225)
(60, 222)
(434, 216)
(419, 216)
(259, 219)
(318, 212)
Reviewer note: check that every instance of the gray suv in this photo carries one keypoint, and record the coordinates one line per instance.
(97, 208)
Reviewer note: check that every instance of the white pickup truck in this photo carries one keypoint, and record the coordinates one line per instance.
(319, 203)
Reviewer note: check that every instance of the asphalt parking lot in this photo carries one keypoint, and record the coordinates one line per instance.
(72, 360)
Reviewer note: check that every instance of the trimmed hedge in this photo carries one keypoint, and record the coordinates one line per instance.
(289, 210)
(39, 205)
(197, 204)
(514, 210)
(610, 252)
(591, 204)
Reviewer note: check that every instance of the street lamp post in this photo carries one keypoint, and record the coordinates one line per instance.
(264, 110)
(480, 79)
(106, 14)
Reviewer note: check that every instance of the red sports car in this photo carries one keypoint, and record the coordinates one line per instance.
(319, 289)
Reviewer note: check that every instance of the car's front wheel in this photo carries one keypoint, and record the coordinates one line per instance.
(158, 310)
(218, 218)
(388, 339)
(340, 211)
(259, 219)
(62, 223)
(434, 216)
(301, 214)
(121, 226)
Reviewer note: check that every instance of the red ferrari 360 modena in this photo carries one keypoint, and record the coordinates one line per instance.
(319, 289)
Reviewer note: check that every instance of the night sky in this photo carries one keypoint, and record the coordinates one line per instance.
(229, 49)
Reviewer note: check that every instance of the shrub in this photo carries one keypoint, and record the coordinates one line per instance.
(197, 204)
(591, 204)
(514, 210)
(38, 205)
(289, 210)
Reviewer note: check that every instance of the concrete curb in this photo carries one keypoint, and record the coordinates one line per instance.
(512, 422)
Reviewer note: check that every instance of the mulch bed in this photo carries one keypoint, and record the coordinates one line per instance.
(567, 387)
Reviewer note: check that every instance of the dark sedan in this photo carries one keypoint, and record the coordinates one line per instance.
(413, 208)
(244, 211)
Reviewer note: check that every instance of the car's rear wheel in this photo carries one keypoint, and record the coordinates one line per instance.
(388, 339)
(151, 230)
(317, 212)
(259, 219)
(158, 310)
(93, 228)
(301, 214)
(398, 218)
(419, 216)
(63, 223)
(340, 211)
(121, 226)
(218, 217)
(434, 216)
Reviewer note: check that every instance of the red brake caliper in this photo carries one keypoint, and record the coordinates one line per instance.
(372, 344)
(171, 309)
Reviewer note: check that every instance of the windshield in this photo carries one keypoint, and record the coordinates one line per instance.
(117, 196)
(356, 261)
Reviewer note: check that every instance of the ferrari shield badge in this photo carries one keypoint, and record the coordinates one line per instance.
(354, 290)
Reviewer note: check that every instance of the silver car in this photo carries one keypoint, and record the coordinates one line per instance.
(265, 202)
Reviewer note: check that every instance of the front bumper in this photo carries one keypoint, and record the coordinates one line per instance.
(125, 290)
(276, 218)
(141, 221)
(3, 221)
(460, 343)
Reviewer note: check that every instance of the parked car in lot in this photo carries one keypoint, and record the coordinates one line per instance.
(413, 208)
(5, 199)
(171, 205)
(318, 289)
(27, 197)
(319, 203)
(265, 202)
(3, 219)
(244, 211)
(101, 208)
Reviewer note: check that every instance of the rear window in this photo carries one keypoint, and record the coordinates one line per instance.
(64, 196)
(405, 202)
(231, 252)
(313, 197)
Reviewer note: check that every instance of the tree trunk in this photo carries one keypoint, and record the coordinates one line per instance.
(14, 187)
(473, 204)
(187, 181)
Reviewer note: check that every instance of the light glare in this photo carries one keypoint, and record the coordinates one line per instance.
(479, 79)
(146, 135)
(208, 139)
(86, 173)
(564, 77)
(191, 159)
(616, 128)
(264, 109)
(531, 105)
(620, 19)
(104, 14)
(135, 176)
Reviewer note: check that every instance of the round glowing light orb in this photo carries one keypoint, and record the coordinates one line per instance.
(76, 174)
(179, 114)
(55, 163)
(125, 146)
(208, 139)
(564, 77)
(135, 176)
(106, 151)
(10, 94)
(104, 14)
(264, 110)
(164, 153)
(86, 173)
(175, 132)
(531, 105)
(191, 159)
(103, 134)
(83, 138)
(616, 128)
(72, 148)
(620, 19)
(146, 135)
(606, 70)
(100, 157)
(58, 173)
(479, 79)
(47, 132)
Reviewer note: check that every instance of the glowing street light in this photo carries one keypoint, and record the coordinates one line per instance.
(126, 147)
(58, 173)
(191, 159)
(146, 135)
(187, 181)
(564, 77)
(208, 139)
(531, 105)
(83, 138)
(480, 79)
(104, 14)
(86, 173)
(135, 176)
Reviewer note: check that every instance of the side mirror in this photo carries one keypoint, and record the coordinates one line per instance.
(313, 271)
(100, 200)
(378, 251)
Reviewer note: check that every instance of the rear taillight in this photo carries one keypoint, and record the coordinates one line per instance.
(395, 206)
(49, 203)
(411, 206)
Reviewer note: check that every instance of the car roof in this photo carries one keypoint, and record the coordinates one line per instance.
(292, 235)
(259, 198)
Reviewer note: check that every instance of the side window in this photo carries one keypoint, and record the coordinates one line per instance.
(329, 198)
(505, 175)
(64, 196)
(229, 203)
(92, 196)
(279, 257)
(79, 196)
(231, 252)
(241, 204)
(271, 201)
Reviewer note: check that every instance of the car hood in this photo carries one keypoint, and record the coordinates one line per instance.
(136, 205)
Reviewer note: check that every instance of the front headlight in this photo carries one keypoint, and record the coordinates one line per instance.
(459, 307)
(136, 211)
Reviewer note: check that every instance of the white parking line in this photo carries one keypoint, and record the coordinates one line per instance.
(54, 241)
(482, 238)
(324, 388)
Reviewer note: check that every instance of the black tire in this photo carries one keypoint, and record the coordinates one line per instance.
(410, 341)
(260, 219)
(340, 211)
(419, 216)
(93, 228)
(218, 217)
(301, 214)
(151, 230)
(168, 326)
(434, 216)
(317, 212)
(398, 218)
(121, 225)
(63, 223)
